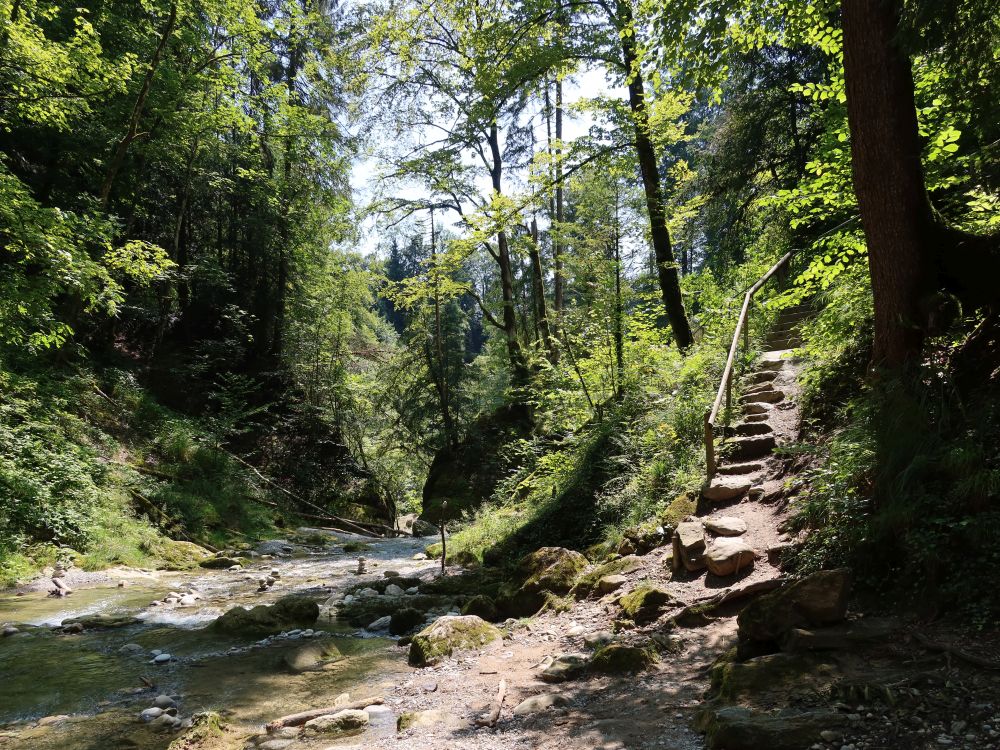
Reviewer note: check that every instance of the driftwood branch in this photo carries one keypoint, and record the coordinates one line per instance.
(296, 720)
(494, 715)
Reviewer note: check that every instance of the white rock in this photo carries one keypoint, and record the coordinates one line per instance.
(151, 713)
(726, 525)
(162, 658)
(393, 590)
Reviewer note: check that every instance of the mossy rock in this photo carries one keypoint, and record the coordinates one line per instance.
(179, 555)
(481, 606)
(680, 508)
(404, 620)
(286, 613)
(222, 563)
(365, 610)
(773, 675)
(616, 658)
(449, 634)
(586, 584)
(100, 620)
(644, 604)
(205, 727)
(464, 558)
(381, 584)
(433, 551)
(738, 728)
(552, 569)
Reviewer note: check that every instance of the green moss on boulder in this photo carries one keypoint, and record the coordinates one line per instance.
(448, 634)
(552, 569)
(481, 606)
(586, 584)
(222, 563)
(286, 613)
(178, 555)
(644, 604)
(619, 659)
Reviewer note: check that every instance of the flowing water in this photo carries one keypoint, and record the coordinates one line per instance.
(100, 687)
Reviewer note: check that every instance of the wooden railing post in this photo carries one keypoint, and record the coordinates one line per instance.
(709, 447)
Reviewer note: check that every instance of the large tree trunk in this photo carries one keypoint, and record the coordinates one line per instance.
(538, 294)
(896, 212)
(911, 252)
(558, 283)
(666, 265)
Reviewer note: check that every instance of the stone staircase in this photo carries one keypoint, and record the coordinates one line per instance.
(736, 527)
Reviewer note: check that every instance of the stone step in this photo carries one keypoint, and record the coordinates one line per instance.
(689, 546)
(720, 489)
(769, 396)
(746, 468)
(759, 378)
(757, 417)
(749, 448)
(752, 428)
(757, 409)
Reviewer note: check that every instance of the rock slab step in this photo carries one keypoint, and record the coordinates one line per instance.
(689, 546)
(727, 556)
(721, 489)
(726, 525)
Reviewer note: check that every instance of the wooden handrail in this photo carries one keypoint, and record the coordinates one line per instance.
(726, 386)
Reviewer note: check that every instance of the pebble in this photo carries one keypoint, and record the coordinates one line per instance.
(162, 658)
(10, 630)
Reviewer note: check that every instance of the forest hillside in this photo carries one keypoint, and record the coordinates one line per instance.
(568, 302)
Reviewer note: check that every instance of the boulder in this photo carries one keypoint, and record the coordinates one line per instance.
(619, 659)
(644, 604)
(286, 613)
(726, 525)
(564, 667)
(552, 569)
(723, 488)
(404, 620)
(727, 556)
(818, 599)
(178, 555)
(381, 623)
(689, 546)
(537, 704)
(100, 620)
(423, 528)
(449, 634)
(737, 728)
(609, 584)
(220, 563)
(773, 674)
(586, 584)
(598, 639)
(393, 590)
(346, 722)
(481, 606)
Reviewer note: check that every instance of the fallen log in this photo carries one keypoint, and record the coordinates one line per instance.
(296, 720)
(494, 715)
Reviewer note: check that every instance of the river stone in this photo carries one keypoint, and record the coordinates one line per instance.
(151, 713)
(220, 563)
(286, 613)
(723, 488)
(162, 658)
(381, 623)
(348, 721)
(689, 546)
(311, 656)
(164, 702)
(565, 667)
(393, 590)
(726, 556)
(609, 584)
(449, 634)
(9, 630)
(188, 600)
(598, 639)
(726, 525)
(537, 704)
(402, 621)
(818, 599)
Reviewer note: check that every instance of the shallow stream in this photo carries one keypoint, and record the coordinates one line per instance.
(83, 691)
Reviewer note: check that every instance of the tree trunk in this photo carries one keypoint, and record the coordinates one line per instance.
(666, 265)
(896, 212)
(538, 293)
(558, 284)
(518, 367)
(442, 371)
(118, 158)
